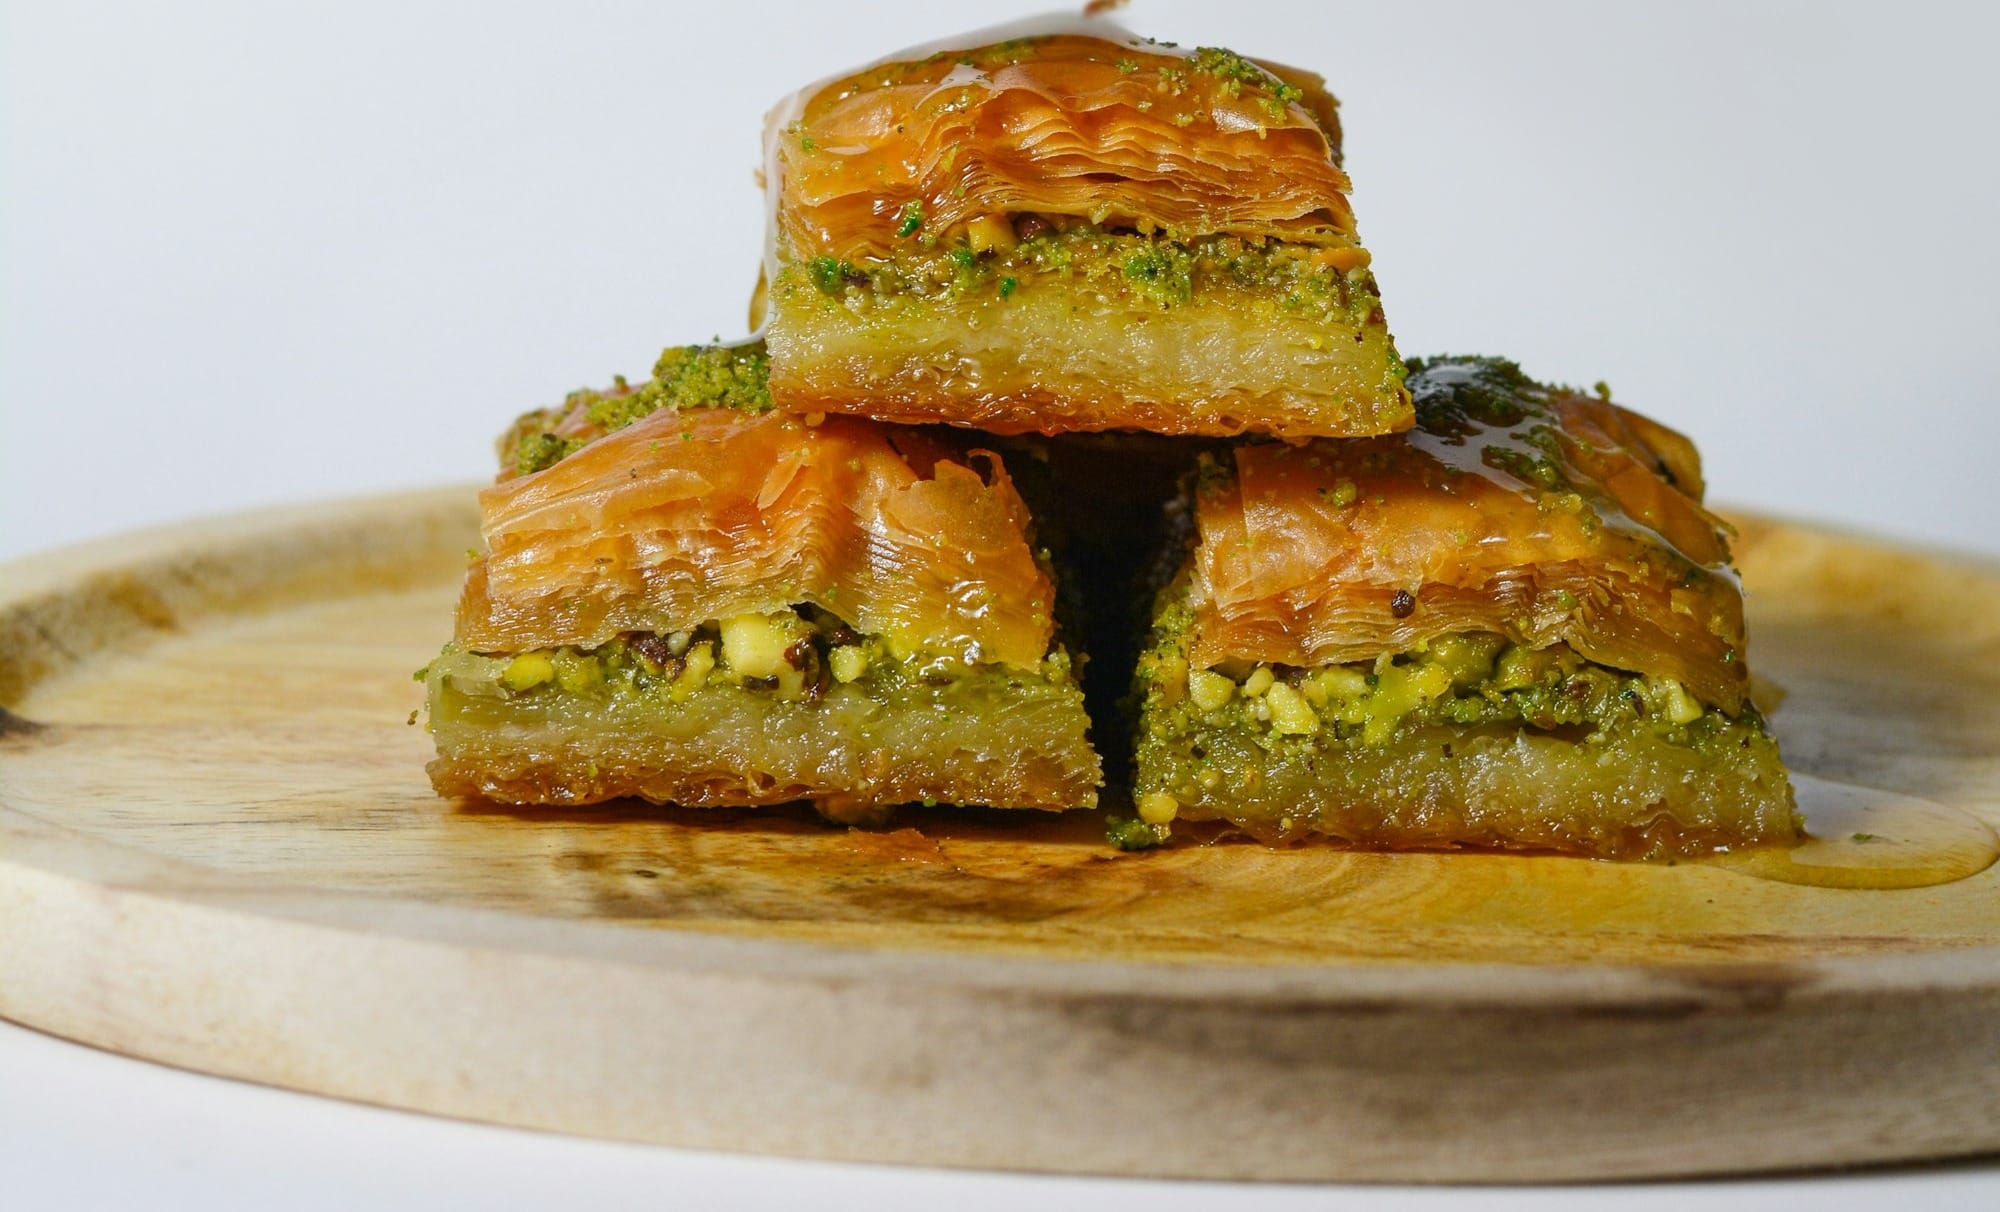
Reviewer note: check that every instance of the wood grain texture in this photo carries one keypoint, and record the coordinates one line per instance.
(218, 849)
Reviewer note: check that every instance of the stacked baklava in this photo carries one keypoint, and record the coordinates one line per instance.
(1431, 606)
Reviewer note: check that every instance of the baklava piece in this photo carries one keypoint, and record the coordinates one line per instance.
(1514, 627)
(1074, 231)
(687, 597)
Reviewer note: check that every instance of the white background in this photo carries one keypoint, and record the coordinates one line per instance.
(253, 253)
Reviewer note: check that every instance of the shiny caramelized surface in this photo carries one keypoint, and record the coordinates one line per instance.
(1086, 122)
(683, 517)
(1537, 513)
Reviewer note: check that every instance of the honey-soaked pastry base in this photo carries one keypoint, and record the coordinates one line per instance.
(1011, 349)
(1631, 795)
(1055, 360)
(892, 735)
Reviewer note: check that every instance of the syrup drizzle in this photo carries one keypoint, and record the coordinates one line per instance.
(1466, 452)
(1859, 837)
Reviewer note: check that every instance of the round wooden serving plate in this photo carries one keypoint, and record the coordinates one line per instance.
(218, 850)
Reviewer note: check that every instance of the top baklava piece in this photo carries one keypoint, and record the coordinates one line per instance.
(1074, 231)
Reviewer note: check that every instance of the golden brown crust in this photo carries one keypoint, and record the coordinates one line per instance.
(1119, 131)
(1336, 552)
(685, 517)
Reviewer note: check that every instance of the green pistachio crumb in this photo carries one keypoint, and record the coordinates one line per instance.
(685, 376)
(830, 274)
(1236, 73)
(1130, 833)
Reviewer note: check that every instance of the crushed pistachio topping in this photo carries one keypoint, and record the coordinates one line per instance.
(1236, 73)
(794, 653)
(1467, 680)
(685, 376)
(996, 256)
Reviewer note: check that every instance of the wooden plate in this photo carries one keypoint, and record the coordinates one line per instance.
(218, 850)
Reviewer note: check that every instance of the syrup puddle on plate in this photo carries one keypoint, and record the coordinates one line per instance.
(1858, 837)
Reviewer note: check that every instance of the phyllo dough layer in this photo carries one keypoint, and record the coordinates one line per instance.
(686, 597)
(1074, 231)
(1513, 627)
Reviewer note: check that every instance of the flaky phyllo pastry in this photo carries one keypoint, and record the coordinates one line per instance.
(691, 598)
(1513, 627)
(1074, 231)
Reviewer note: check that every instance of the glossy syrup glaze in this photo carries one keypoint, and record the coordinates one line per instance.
(686, 516)
(1662, 510)
(906, 136)
(1861, 837)
(1513, 508)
